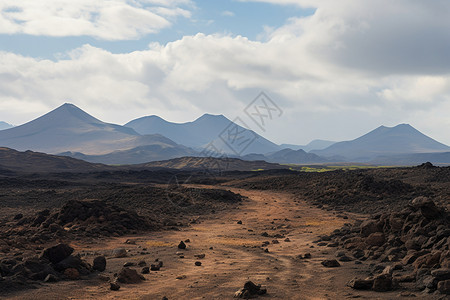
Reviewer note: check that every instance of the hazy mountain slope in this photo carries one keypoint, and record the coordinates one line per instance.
(213, 164)
(4, 125)
(199, 133)
(401, 139)
(415, 159)
(313, 145)
(289, 156)
(69, 128)
(40, 162)
(138, 155)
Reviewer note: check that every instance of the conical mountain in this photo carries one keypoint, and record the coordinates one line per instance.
(68, 128)
(199, 133)
(401, 139)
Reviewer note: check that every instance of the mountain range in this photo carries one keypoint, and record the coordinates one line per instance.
(70, 131)
(383, 141)
(203, 131)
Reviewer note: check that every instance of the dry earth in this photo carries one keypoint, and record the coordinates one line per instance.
(236, 256)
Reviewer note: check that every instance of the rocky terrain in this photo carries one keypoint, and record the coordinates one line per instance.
(372, 233)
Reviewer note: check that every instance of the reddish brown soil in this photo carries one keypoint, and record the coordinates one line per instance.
(236, 257)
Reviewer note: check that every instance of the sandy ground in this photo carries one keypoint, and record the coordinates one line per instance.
(236, 256)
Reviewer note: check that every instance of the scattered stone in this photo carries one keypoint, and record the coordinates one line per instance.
(360, 284)
(145, 270)
(250, 290)
(119, 253)
(330, 263)
(142, 263)
(287, 240)
(114, 286)
(127, 275)
(182, 245)
(57, 253)
(239, 222)
(99, 263)
(129, 264)
(275, 242)
(383, 283)
(155, 267)
(187, 241)
(181, 277)
(200, 256)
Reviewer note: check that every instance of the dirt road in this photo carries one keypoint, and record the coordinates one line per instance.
(233, 255)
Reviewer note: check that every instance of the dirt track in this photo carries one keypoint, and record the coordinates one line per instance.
(236, 256)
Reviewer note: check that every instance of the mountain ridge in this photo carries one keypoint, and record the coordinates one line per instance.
(399, 139)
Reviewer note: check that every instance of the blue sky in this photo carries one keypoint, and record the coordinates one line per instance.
(337, 69)
(227, 17)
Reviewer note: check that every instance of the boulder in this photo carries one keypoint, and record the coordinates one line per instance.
(383, 283)
(119, 253)
(57, 253)
(360, 284)
(127, 276)
(375, 239)
(99, 263)
(330, 263)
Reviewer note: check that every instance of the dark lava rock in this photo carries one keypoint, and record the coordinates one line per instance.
(127, 275)
(33, 269)
(383, 283)
(51, 278)
(155, 267)
(145, 270)
(360, 284)
(330, 263)
(99, 263)
(129, 264)
(444, 287)
(57, 253)
(113, 286)
(250, 290)
(441, 274)
(74, 262)
(182, 245)
(198, 263)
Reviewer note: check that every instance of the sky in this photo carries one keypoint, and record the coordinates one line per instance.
(335, 69)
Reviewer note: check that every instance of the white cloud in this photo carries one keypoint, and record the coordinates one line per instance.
(228, 13)
(102, 19)
(321, 70)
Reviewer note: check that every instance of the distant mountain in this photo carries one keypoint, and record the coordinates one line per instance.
(213, 164)
(288, 156)
(4, 125)
(34, 162)
(442, 158)
(313, 145)
(69, 128)
(138, 155)
(199, 133)
(384, 141)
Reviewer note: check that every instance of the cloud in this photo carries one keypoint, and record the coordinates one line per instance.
(101, 19)
(228, 13)
(336, 74)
